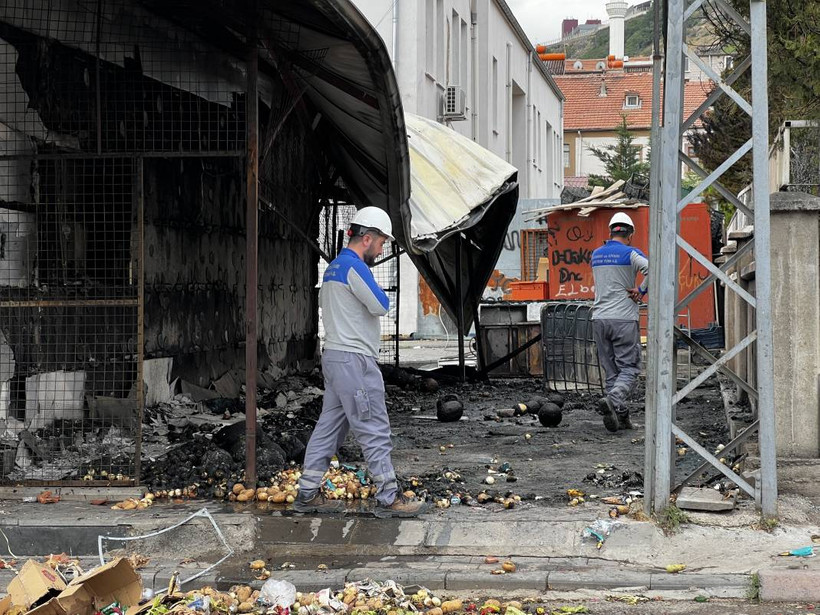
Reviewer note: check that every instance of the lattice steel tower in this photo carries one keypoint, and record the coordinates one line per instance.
(663, 393)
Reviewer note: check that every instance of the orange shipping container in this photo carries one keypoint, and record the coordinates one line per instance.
(572, 239)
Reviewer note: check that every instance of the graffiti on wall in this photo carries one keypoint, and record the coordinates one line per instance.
(570, 257)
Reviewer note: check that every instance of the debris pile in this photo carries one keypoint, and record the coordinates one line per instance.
(59, 587)
(609, 476)
(197, 448)
(449, 488)
(45, 452)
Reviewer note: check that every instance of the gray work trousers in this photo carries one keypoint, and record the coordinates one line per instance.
(353, 401)
(619, 353)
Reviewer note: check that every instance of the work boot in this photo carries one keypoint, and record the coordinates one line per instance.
(624, 422)
(610, 419)
(318, 504)
(402, 506)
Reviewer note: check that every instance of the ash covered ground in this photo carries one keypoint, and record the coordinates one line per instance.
(202, 443)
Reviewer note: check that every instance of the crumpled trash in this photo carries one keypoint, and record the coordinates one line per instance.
(801, 552)
(277, 593)
(599, 531)
(201, 604)
(628, 599)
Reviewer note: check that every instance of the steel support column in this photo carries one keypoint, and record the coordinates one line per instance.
(665, 243)
(251, 264)
(766, 495)
(654, 213)
(462, 368)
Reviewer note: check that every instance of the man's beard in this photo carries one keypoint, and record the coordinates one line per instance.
(369, 258)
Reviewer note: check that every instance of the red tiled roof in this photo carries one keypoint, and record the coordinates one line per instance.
(592, 65)
(586, 109)
(586, 65)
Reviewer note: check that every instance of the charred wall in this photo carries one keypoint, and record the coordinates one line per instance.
(195, 263)
(84, 211)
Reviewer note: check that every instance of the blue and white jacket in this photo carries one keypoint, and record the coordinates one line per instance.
(615, 267)
(351, 303)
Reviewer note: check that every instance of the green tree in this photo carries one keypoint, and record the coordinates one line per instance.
(793, 41)
(621, 160)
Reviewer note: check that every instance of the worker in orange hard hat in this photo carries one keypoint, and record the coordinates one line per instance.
(615, 267)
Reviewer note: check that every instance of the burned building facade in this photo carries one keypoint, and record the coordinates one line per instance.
(125, 161)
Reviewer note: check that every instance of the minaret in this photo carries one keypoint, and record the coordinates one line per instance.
(617, 16)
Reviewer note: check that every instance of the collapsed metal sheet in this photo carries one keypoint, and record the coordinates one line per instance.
(462, 198)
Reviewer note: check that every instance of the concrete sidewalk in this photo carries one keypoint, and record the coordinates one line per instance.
(724, 555)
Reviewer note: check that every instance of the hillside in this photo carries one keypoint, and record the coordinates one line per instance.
(638, 39)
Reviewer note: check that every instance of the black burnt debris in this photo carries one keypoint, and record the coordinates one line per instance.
(449, 408)
(206, 440)
(499, 453)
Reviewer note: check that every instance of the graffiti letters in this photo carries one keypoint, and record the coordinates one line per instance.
(512, 241)
(565, 275)
(579, 290)
(500, 282)
(576, 234)
(571, 256)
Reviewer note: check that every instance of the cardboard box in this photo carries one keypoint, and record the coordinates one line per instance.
(34, 583)
(116, 581)
(543, 272)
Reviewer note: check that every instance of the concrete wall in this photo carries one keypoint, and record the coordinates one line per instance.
(796, 318)
(795, 262)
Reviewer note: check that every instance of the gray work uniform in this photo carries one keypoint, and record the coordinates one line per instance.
(615, 317)
(352, 303)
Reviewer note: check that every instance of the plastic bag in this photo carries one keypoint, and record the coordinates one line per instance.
(599, 531)
(277, 593)
(201, 604)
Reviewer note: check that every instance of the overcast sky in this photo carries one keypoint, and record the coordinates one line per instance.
(541, 19)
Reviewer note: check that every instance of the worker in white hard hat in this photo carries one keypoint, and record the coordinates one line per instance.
(615, 267)
(352, 303)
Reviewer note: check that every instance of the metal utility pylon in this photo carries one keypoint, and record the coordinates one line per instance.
(666, 241)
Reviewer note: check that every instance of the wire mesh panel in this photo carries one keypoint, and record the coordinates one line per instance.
(69, 314)
(87, 90)
(110, 77)
(570, 356)
(804, 159)
(534, 247)
(333, 225)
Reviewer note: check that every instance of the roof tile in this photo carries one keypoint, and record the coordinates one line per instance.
(586, 109)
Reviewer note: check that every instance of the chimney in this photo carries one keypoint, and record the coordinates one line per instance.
(616, 9)
(602, 93)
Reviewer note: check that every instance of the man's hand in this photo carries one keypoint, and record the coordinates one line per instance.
(635, 294)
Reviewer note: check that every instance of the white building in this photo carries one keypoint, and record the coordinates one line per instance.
(476, 52)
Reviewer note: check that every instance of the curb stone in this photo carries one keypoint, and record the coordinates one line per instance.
(483, 579)
(789, 585)
(716, 585)
(304, 580)
(431, 579)
(598, 579)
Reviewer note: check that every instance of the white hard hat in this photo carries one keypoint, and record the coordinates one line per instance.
(375, 218)
(621, 219)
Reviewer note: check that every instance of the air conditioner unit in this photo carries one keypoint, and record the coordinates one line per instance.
(453, 103)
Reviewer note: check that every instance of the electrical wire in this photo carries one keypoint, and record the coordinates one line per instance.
(386, 13)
